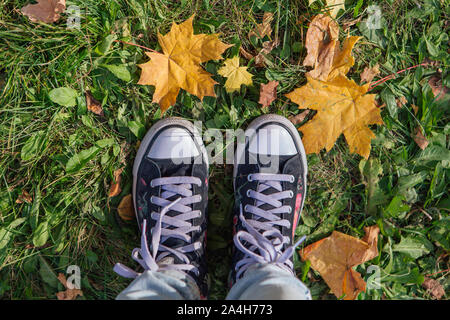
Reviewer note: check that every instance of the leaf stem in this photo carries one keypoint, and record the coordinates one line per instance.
(392, 76)
(136, 45)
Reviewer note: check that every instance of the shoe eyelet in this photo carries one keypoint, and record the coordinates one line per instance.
(292, 179)
(151, 199)
(290, 210)
(249, 178)
(151, 184)
(291, 194)
(248, 193)
(246, 208)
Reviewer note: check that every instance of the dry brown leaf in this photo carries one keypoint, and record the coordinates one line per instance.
(420, 139)
(369, 73)
(347, 24)
(268, 93)
(322, 30)
(47, 11)
(93, 105)
(247, 55)
(178, 67)
(438, 89)
(299, 117)
(401, 101)
(69, 294)
(435, 289)
(415, 109)
(324, 61)
(115, 188)
(335, 256)
(263, 29)
(342, 107)
(268, 46)
(125, 208)
(24, 197)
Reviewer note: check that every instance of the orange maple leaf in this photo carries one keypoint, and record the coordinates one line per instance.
(335, 256)
(179, 65)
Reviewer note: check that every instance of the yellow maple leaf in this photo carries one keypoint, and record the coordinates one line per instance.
(342, 107)
(236, 75)
(333, 5)
(335, 256)
(179, 65)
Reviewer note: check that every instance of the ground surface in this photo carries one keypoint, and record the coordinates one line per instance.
(69, 219)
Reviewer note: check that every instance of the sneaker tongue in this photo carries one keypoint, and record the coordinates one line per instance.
(175, 168)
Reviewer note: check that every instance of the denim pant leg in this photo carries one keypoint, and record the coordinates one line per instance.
(161, 285)
(268, 282)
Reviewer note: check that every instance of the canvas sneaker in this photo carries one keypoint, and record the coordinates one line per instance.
(170, 196)
(270, 185)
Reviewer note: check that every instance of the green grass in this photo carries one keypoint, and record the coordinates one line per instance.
(71, 221)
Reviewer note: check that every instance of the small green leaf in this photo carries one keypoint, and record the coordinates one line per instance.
(79, 160)
(41, 234)
(63, 96)
(413, 247)
(120, 71)
(47, 273)
(108, 142)
(396, 207)
(409, 276)
(137, 128)
(34, 145)
(6, 234)
(433, 153)
(406, 182)
(104, 46)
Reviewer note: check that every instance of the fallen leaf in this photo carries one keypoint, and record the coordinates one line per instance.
(47, 11)
(435, 289)
(299, 117)
(268, 46)
(69, 294)
(335, 256)
(401, 101)
(324, 51)
(420, 139)
(438, 89)
(24, 197)
(263, 29)
(115, 188)
(342, 107)
(179, 65)
(369, 73)
(342, 60)
(347, 24)
(124, 152)
(93, 105)
(268, 93)
(247, 55)
(236, 75)
(321, 31)
(333, 5)
(415, 109)
(125, 208)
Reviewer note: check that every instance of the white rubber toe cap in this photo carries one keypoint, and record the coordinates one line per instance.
(173, 143)
(272, 140)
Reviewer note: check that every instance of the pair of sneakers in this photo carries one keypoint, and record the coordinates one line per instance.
(170, 194)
